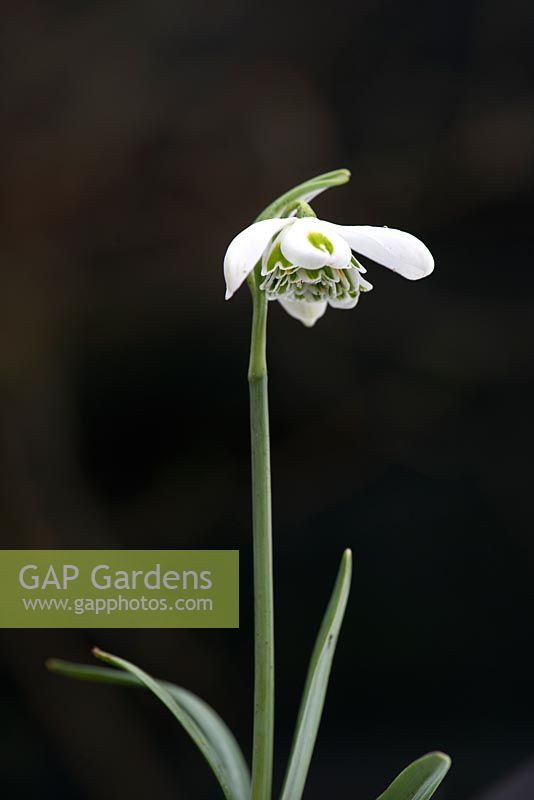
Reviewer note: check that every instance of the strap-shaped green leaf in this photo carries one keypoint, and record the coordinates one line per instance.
(205, 727)
(420, 780)
(305, 191)
(316, 685)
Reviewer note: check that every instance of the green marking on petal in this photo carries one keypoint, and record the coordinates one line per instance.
(329, 273)
(276, 259)
(344, 280)
(340, 287)
(321, 242)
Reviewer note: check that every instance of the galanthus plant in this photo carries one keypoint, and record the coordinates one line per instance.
(305, 264)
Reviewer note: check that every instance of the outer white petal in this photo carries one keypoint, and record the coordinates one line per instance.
(396, 250)
(307, 313)
(246, 249)
(297, 247)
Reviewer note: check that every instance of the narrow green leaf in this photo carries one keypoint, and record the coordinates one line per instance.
(305, 191)
(211, 735)
(316, 685)
(420, 780)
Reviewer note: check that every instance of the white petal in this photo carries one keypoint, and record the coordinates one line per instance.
(307, 313)
(345, 304)
(311, 243)
(396, 250)
(246, 249)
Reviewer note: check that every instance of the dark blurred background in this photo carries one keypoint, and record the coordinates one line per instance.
(137, 139)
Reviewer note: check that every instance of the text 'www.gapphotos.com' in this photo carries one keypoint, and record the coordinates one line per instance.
(117, 605)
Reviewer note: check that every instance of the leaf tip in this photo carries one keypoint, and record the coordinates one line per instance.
(447, 761)
(339, 176)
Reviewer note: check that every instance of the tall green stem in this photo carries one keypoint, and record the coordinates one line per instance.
(262, 755)
(262, 758)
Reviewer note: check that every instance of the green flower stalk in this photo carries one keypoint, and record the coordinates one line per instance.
(262, 761)
(306, 264)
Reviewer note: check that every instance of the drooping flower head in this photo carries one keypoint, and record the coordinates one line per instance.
(307, 264)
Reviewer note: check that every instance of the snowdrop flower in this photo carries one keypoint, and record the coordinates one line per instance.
(307, 264)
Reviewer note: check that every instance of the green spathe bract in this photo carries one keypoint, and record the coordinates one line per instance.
(304, 193)
(418, 781)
